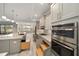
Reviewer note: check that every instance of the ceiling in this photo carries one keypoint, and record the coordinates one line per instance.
(23, 12)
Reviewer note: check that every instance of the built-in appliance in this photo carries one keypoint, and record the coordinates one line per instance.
(64, 38)
(62, 49)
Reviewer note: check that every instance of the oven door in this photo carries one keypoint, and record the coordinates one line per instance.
(61, 49)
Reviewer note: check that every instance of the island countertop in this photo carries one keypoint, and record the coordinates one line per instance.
(10, 36)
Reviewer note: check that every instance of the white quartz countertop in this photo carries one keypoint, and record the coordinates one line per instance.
(10, 36)
(3, 54)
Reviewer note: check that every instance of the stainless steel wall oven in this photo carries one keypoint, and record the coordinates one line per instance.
(65, 39)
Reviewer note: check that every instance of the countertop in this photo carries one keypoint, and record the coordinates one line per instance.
(3, 54)
(10, 36)
(46, 38)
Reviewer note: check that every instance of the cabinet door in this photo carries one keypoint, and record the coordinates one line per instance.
(4, 45)
(14, 46)
(70, 10)
(56, 12)
(42, 21)
(60, 11)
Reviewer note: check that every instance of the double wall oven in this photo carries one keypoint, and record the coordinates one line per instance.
(65, 39)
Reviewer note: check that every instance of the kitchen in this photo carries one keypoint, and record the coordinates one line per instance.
(39, 29)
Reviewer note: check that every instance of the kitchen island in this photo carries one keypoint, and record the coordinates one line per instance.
(10, 43)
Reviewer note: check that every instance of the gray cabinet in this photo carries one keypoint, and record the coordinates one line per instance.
(4, 45)
(10, 46)
(14, 46)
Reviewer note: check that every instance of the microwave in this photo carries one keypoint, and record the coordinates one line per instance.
(67, 35)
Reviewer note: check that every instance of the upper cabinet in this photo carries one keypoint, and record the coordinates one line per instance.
(61, 11)
(48, 22)
(42, 21)
(56, 11)
(70, 10)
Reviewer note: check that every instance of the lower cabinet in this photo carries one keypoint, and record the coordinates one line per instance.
(10, 46)
(14, 46)
(4, 46)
